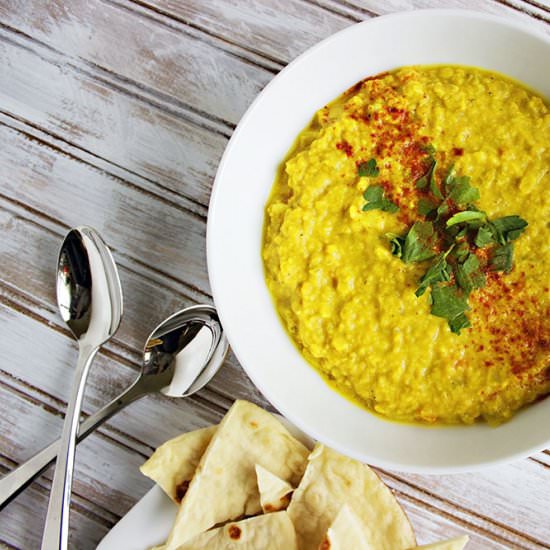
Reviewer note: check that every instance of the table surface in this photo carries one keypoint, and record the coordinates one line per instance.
(115, 113)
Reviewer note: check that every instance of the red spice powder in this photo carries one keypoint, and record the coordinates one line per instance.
(345, 147)
(519, 332)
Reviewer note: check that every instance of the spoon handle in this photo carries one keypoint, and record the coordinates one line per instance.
(56, 531)
(19, 479)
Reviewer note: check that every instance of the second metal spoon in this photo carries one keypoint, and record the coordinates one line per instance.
(181, 355)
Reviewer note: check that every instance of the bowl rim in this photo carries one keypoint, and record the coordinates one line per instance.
(215, 278)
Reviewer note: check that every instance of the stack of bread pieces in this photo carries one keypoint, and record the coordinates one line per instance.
(248, 483)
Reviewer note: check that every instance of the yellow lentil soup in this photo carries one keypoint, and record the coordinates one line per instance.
(343, 287)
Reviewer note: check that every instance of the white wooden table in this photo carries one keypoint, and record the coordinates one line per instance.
(114, 113)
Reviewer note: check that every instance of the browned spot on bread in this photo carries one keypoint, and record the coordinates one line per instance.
(234, 532)
(181, 489)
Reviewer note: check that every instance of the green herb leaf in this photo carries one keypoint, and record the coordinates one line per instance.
(433, 184)
(374, 194)
(422, 182)
(484, 236)
(430, 149)
(438, 272)
(396, 244)
(442, 209)
(426, 206)
(461, 192)
(502, 258)
(458, 323)
(428, 177)
(369, 169)
(461, 251)
(468, 274)
(448, 303)
(419, 243)
(448, 179)
(508, 228)
(467, 216)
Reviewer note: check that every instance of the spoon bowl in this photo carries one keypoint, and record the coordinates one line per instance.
(187, 349)
(87, 275)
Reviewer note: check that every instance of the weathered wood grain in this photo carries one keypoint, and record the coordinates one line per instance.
(21, 527)
(157, 233)
(530, 12)
(174, 156)
(115, 113)
(216, 82)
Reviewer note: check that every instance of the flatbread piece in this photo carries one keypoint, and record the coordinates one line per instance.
(346, 532)
(274, 492)
(268, 532)
(332, 480)
(224, 487)
(173, 464)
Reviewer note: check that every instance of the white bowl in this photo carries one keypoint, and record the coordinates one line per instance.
(236, 214)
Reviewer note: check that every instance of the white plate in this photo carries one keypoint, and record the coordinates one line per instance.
(146, 525)
(234, 233)
(149, 522)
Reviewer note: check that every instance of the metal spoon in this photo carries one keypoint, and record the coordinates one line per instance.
(181, 355)
(90, 301)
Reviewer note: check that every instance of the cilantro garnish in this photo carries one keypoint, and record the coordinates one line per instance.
(452, 224)
(428, 179)
(374, 195)
(484, 236)
(369, 169)
(468, 274)
(426, 207)
(449, 303)
(502, 258)
(507, 229)
(467, 216)
(419, 243)
(458, 188)
(438, 272)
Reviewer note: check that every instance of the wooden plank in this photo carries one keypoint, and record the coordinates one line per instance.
(169, 152)
(158, 234)
(487, 500)
(278, 36)
(275, 37)
(21, 523)
(170, 61)
(432, 526)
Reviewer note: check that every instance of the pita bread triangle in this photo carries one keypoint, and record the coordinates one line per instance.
(346, 532)
(267, 532)
(224, 487)
(274, 491)
(332, 480)
(173, 464)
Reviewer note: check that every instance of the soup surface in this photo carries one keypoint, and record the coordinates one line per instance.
(343, 287)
